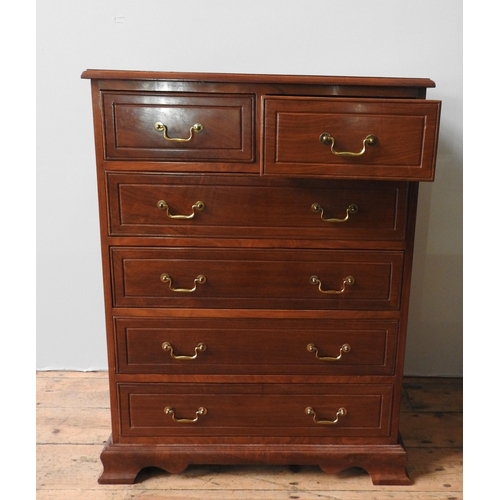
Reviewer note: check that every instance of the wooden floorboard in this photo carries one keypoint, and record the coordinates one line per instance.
(73, 424)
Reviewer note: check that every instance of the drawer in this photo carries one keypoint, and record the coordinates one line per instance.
(162, 204)
(256, 346)
(248, 278)
(351, 138)
(132, 133)
(254, 410)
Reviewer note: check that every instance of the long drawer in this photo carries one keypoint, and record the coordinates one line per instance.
(257, 346)
(351, 138)
(247, 278)
(189, 410)
(178, 127)
(228, 206)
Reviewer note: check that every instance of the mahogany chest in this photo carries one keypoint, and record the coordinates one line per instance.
(257, 236)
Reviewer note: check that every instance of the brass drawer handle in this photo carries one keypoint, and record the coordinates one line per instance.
(341, 412)
(198, 206)
(369, 140)
(167, 346)
(167, 279)
(171, 411)
(347, 281)
(343, 349)
(351, 209)
(160, 127)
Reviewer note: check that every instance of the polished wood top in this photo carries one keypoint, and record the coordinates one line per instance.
(263, 78)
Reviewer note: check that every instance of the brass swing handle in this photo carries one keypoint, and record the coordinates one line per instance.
(341, 412)
(167, 279)
(171, 411)
(198, 206)
(160, 127)
(351, 209)
(369, 140)
(343, 349)
(347, 281)
(167, 346)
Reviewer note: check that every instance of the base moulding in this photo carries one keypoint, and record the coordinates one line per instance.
(386, 464)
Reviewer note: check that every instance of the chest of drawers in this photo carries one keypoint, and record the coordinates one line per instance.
(257, 236)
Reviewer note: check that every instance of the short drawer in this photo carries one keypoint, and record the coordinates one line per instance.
(179, 127)
(258, 346)
(248, 278)
(184, 409)
(228, 206)
(351, 138)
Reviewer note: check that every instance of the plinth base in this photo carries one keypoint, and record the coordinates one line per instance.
(384, 463)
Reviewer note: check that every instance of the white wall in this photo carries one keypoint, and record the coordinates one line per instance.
(337, 37)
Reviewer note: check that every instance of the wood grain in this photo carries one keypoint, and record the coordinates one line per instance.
(274, 258)
(73, 422)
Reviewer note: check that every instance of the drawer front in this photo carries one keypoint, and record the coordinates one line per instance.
(254, 410)
(311, 136)
(131, 132)
(159, 204)
(257, 346)
(246, 278)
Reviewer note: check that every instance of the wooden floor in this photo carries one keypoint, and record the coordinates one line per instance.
(73, 423)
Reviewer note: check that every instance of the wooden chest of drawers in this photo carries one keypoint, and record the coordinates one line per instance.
(257, 237)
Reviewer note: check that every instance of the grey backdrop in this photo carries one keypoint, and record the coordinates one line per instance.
(338, 37)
